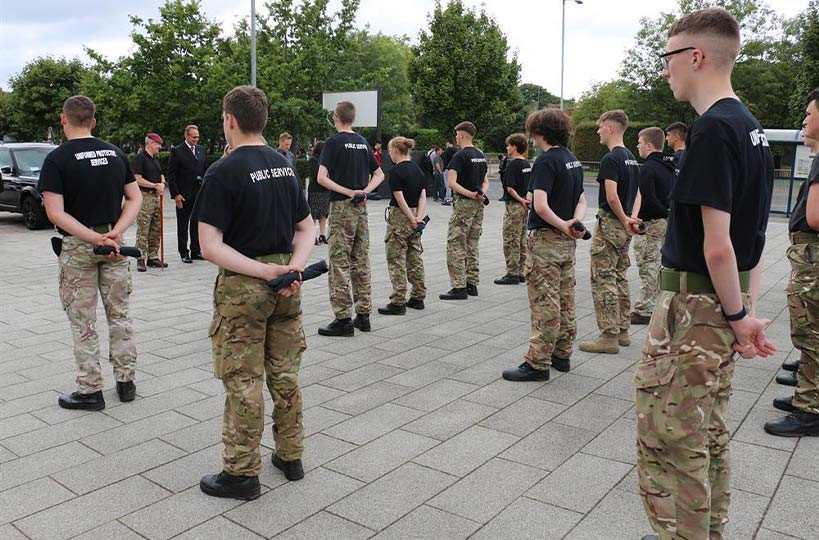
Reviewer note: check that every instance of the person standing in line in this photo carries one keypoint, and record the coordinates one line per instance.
(377, 153)
(317, 195)
(285, 143)
(255, 226)
(345, 167)
(705, 312)
(83, 182)
(675, 135)
(469, 179)
(439, 191)
(516, 186)
(655, 181)
(186, 167)
(446, 156)
(151, 181)
(618, 196)
(403, 243)
(803, 295)
(558, 203)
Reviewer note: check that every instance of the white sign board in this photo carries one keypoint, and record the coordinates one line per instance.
(804, 158)
(366, 105)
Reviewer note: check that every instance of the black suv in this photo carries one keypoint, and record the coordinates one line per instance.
(20, 165)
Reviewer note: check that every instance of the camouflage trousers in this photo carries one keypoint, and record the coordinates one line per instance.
(550, 279)
(465, 225)
(647, 254)
(609, 262)
(683, 384)
(514, 237)
(803, 304)
(148, 231)
(349, 248)
(404, 262)
(257, 333)
(84, 276)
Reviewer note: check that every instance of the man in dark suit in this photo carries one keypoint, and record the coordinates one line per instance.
(186, 167)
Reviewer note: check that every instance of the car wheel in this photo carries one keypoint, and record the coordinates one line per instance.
(33, 214)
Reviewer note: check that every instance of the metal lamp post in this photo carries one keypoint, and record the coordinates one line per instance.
(563, 46)
(253, 42)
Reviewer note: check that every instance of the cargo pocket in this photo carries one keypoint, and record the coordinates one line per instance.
(655, 371)
(216, 335)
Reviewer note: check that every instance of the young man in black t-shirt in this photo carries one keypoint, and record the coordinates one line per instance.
(447, 155)
(469, 180)
(558, 202)
(515, 182)
(716, 233)
(803, 295)
(656, 178)
(403, 243)
(345, 167)
(83, 182)
(254, 223)
(675, 135)
(148, 174)
(618, 195)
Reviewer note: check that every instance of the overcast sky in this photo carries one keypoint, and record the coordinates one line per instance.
(598, 33)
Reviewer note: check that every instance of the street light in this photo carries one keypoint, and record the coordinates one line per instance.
(253, 42)
(563, 46)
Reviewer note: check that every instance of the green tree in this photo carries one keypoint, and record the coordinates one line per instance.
(167, 82)
(807, 77)
(461, 70)
(38, 93)
(5, 113)
(541, 96)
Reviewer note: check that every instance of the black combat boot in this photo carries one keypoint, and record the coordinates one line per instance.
(793, 365)
(392, 309)
(362, 322)
(339, 327)
(787, 378)
(796, 424)
(525, 372)
(226, 485)
(471, 290)
(784, 404)
(126, 391)
(561, 364)
(507, 279)
(415, 303)
(292, 470)
(82, 402)
(456, 293)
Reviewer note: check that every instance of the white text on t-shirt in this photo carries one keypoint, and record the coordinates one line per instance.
(267, 174)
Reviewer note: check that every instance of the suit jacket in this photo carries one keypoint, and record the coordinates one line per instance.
(185, 171)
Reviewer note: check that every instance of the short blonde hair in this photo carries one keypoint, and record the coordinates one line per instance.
(618, 116)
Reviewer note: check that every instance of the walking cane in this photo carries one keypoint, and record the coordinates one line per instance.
(161, 231)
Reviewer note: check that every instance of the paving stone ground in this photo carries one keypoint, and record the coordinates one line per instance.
(411, 431)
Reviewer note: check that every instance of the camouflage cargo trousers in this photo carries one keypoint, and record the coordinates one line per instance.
(404, 261)
(465, 225)
(803, 304)
(349, 251)
(683, 384)
(148, 231)
(647, 254)
(514, 237)
(257, 333)
(609, 262)
(84, 276)
(551, 283)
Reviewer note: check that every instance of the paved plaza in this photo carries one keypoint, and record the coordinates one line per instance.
(411, 432)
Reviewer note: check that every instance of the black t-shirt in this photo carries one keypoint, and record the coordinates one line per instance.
(678, 158)
(449, 153)
(656, 178)
(407, 177)
(619, 165)
(148, 166)
(557, 172)
(516, 176)
(470, 164)
(314, 186)
(728, 166)
(799, 219)
(254, 197)
(349, 162)
(91, 175)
